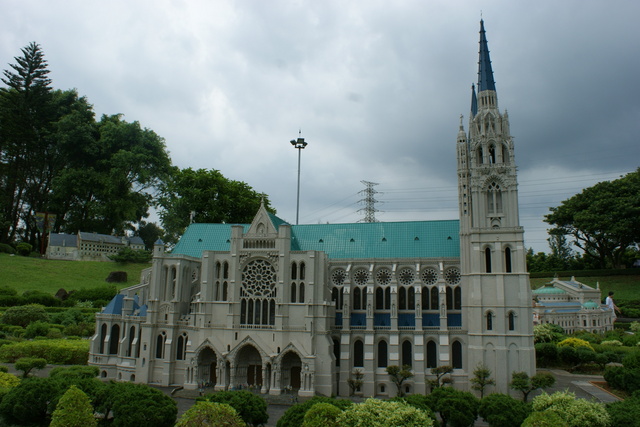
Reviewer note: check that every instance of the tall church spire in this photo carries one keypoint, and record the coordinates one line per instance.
(485, 73)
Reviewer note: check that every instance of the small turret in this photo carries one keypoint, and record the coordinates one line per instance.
(158, 248)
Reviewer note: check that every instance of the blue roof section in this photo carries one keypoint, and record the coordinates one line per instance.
(415, 239)
(485, 73)
(65, 240)
(115, 305)
(474, 101)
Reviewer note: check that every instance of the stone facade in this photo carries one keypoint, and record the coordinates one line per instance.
(89, 246)
(572, 305)
(277, 307)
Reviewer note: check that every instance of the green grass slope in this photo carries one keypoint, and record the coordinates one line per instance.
(25, 274)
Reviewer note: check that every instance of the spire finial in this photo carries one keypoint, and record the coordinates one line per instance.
(485, 73)
(461, 117)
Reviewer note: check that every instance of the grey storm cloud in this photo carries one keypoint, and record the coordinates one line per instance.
(376, 87)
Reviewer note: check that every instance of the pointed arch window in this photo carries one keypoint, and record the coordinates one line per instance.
(487, 260)
(103, 335)
(507, 260)
(114, 339)
(132, 334)
(407, 356)
(293, 291)
(432, 355)
(435, 297)
(301, 293)
(357, 299)
(456, 355)
(383, 359)
(489, 317)
(492, 154)
(358, 354)
(294, 271)
(494, 198)
(457, 298)
(512, 321)
(379, 299)
(302, 271)
(480, 156)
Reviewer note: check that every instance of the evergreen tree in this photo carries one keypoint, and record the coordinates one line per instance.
(73, 410)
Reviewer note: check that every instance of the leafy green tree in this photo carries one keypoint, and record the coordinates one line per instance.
(22, 315)
(149, 232)
(322, 415)
(8, 380)
(210, 414)
(136, 405)
(128, 255)
(575, 412)
(73, 410)
(251, 408)
(28, 364)
(355, 382)
(481, 379)
(602, 219)
(440, 373)
(456, 408)
(399, 375)
(501, 410)
(547, 332)
(380, 413)
(205, 196)
(419, 401)
(294, 416)
(30, 403)
(74, 372)
(521, 382)
(544, 419)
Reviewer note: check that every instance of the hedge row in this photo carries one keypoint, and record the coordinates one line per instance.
(57, 352)
(586, 273)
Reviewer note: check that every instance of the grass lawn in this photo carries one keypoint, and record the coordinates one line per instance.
(25, 274)
(625, 287)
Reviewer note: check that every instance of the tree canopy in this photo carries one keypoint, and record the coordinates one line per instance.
(602, 219)
(205, 196)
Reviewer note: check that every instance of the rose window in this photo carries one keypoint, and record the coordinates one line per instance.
(429, 276)
(406, 276)
(383, 276)
(452, 276)
(360, 276)
(259, 278)
(338, 277)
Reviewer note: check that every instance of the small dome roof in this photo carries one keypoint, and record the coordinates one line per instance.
(591, 305)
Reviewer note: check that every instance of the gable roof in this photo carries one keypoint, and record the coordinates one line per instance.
(414, 239)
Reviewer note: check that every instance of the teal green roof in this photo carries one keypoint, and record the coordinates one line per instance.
(591, 304)
(547, 290)
(415, 239)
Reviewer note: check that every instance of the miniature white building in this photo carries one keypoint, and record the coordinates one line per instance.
(572, 305)
(89, 246)
(279, 306)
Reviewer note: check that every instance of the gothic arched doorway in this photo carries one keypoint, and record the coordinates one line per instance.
(291, 366)
(207, 367)
(249, 367)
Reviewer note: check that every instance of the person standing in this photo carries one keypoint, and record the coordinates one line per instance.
(611, 304)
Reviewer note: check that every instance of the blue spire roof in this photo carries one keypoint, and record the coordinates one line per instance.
(474, 101)
(485, 73)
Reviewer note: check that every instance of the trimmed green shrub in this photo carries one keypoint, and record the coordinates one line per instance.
(24, 314)
(575, 343)
(251, 408)
(625, 413)
(546, 354)
(57, 352)
(501, 410)
(460, 408)
(209, 414)
(575, 412)
(73, 410)
(568, 355)
(7, 249)
(36, 329)
(381, 413)
(24, 248)
(544, 419)
(28, 364)
(322, 415)
(294, 416)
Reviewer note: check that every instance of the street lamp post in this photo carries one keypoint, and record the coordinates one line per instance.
(299, 144)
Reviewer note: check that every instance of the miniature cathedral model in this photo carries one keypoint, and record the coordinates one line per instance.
(276, 307)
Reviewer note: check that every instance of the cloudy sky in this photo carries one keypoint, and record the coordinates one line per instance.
(377, 88)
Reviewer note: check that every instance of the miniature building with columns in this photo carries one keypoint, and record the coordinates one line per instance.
(573, 306)
(276, 307)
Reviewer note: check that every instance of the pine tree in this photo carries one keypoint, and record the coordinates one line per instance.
(73, 410)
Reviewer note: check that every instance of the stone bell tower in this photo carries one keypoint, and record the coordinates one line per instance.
(496, 296)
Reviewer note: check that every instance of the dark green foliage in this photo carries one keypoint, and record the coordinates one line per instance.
(24, 249)
(399, 376)
(602, 219)
(76, 371)
(8, 291)
(632, 360)
(73, 410)
(585, 355)
(129, 255)
(149, 233)
(31, 402)
(251, 408)
(42, 298)
(546, 354)
(456, 408)
(520, 381)
(102, 293)
(6, 249)
(36, 329)
(294, 416)
(421, 402)
(568, 355)
(322, 415)
(213, 197)
(625, 413)
(607, 357)
(481, 379)
(136, 405)
(28, 364)
(24, 314)
(501, 410)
